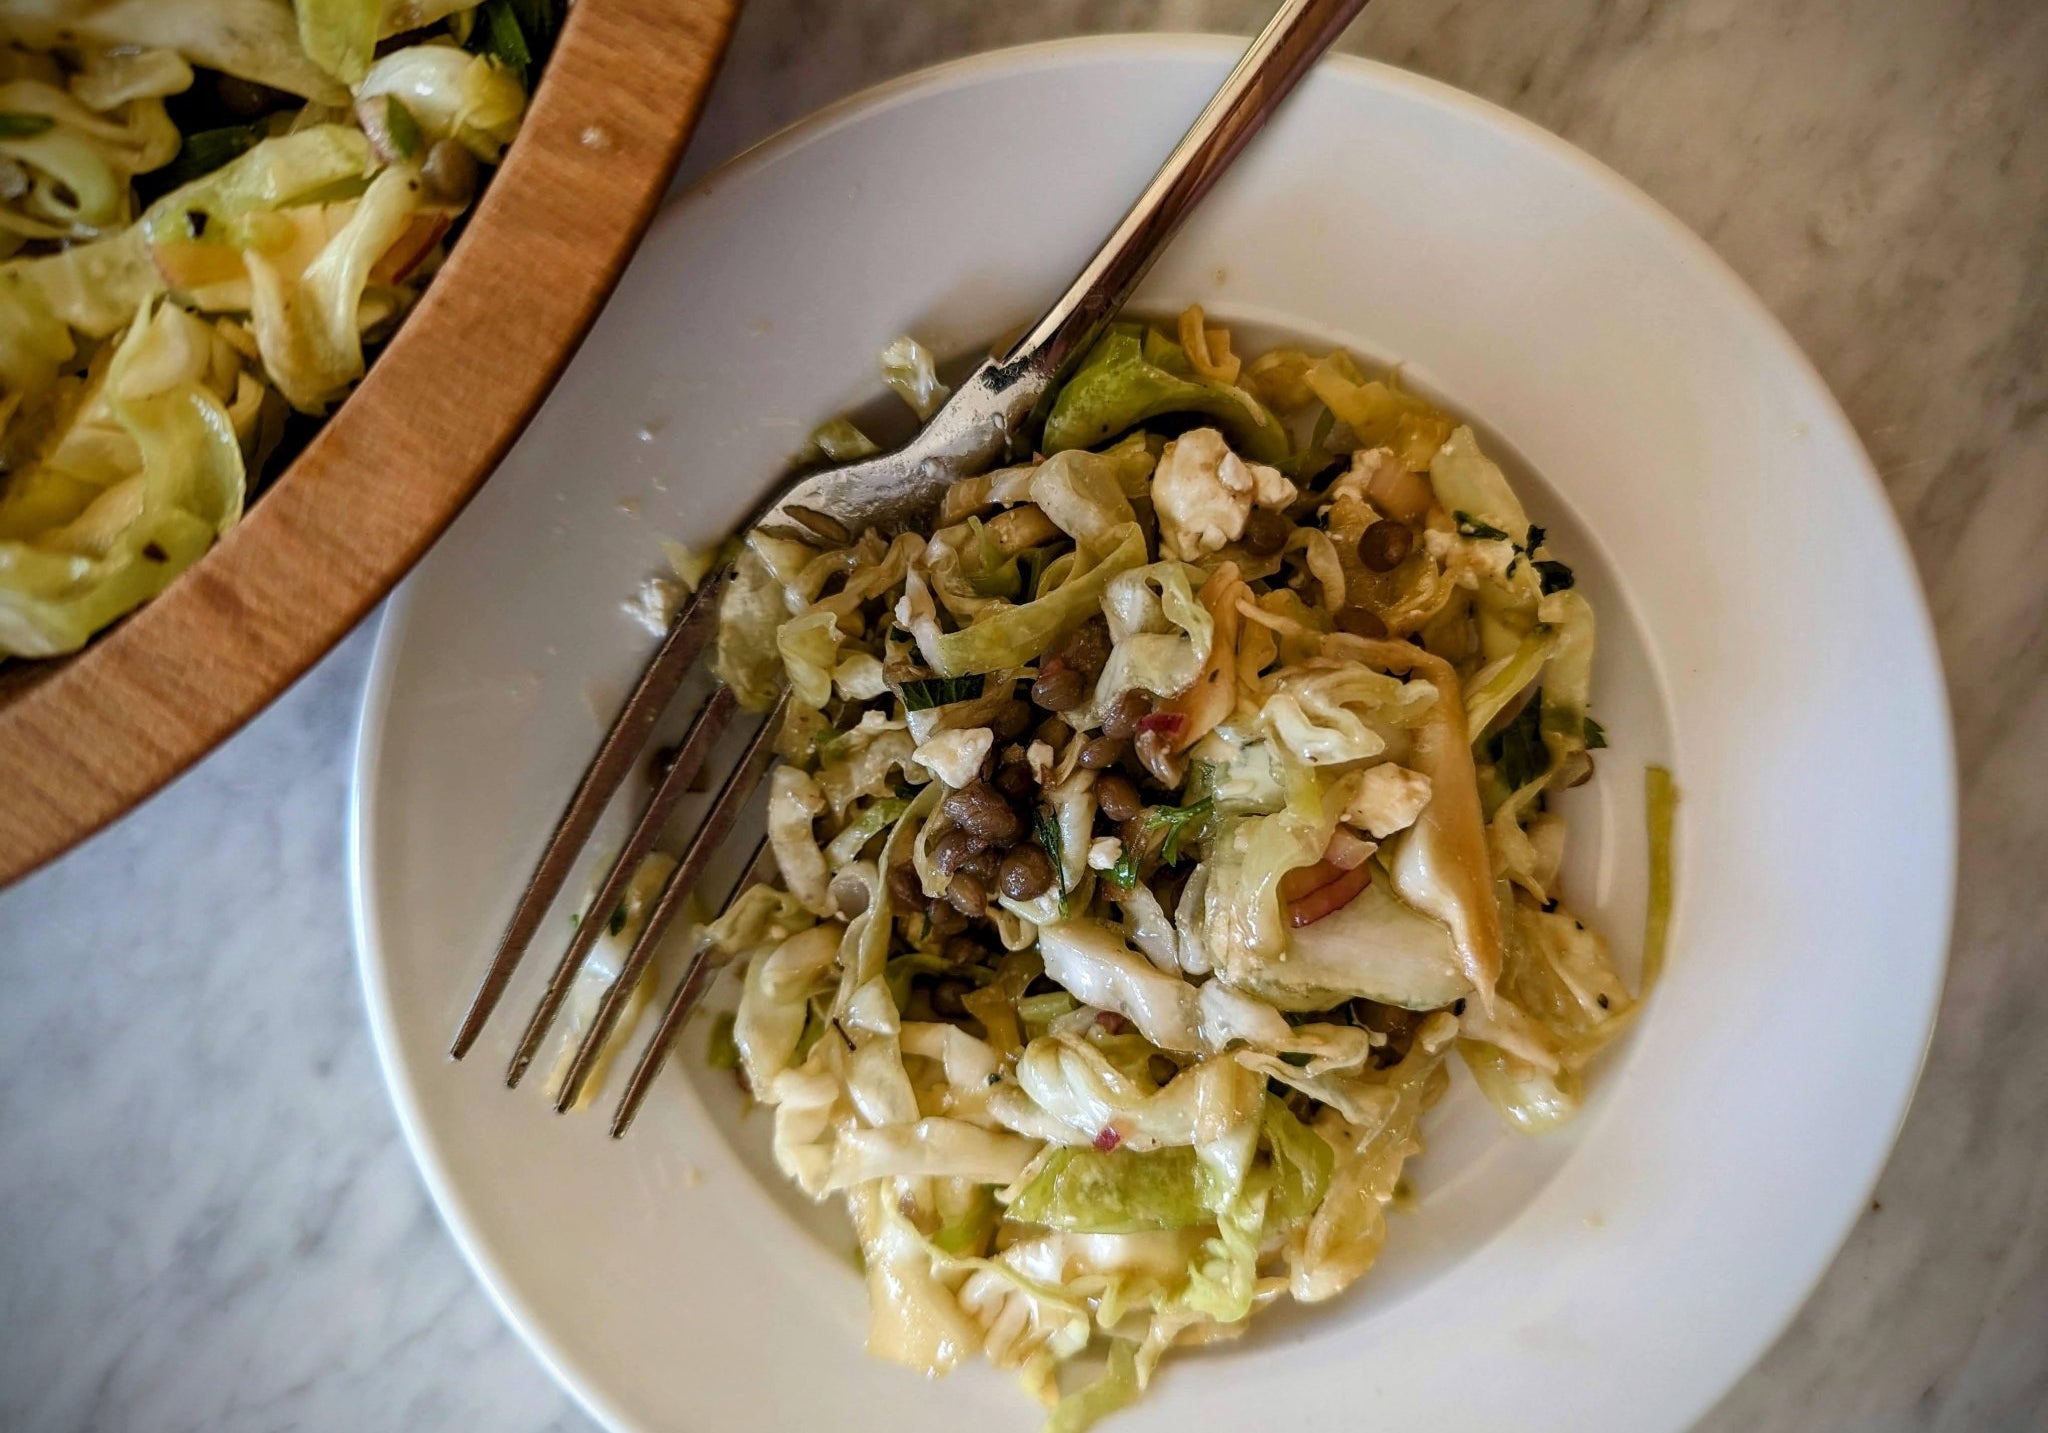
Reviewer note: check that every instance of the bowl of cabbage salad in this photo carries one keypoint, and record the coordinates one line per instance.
(1155, 831)
(215, 217)
(209, 217)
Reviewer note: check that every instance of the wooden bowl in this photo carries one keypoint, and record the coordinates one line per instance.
(84, 738)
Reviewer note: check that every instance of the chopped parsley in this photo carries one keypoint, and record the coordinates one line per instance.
(517, 33)
(1556, 576)
(1517, 749)
(1470, 526)
(1180, 823)
(923, 693)
(1046, 828)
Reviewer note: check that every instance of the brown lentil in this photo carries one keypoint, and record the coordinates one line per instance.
(1265, 533)
(1126, 712)
(967, 895)
(1026, 873)
(945, 920)
(1014, 780)
(1385, 545)
(1011, 721)
(450, 172)
(953, 850)
(1103, 751)
(979, 809)
(1361, 622)
(1054, 732)
(904, 887)
(1117, 797)
(1059, 689)
(984, 863)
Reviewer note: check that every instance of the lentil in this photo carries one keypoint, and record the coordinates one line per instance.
(1103, 751)
(1126, 712)
(1026, 874)
(1361, 622)
(980, 810)
(1117, 797)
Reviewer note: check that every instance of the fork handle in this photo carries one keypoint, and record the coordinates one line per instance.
(1292, 41)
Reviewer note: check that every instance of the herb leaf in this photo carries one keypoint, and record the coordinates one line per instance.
(923, 693)
(15, 125)
(1179, 823)
(406, 140)
(517, 33)
(1556, 576)
(1046, 828)
(1517, 750)
(1470, 526)
(1596, 735)
(1124, 874)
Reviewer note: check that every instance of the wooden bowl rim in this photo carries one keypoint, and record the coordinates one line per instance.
(84, 738)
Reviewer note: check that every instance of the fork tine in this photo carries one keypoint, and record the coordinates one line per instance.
(709, 724)
(718, 824)
(696, 980)
(615, 758)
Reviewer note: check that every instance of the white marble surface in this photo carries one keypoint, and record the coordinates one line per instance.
(208, 1221)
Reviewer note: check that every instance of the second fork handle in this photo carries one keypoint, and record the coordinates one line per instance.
(1292, 41)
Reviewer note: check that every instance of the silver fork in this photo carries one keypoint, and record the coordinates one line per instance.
(975, 428)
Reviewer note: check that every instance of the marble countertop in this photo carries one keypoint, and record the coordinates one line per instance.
(208, 1219)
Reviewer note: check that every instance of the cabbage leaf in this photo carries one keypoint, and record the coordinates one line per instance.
(1131, 375)
(150, 470)
(254, 40)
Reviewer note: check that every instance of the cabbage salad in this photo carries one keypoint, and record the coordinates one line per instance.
(208, 208)
(1151, 833)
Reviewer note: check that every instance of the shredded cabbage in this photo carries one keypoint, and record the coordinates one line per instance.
(451, 94)
(130, 492)
(599, 970)
(251, 39)
(1133, 374)
(907, 368)
(1130, 904)
(292, 238)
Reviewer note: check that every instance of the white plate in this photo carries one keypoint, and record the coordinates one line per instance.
(1762, 631)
